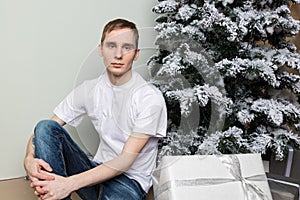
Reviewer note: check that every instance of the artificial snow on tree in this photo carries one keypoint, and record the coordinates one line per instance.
(230, 78)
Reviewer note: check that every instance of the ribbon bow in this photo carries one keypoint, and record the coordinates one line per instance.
(232, 163)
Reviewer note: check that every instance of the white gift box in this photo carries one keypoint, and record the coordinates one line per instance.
(211, 177)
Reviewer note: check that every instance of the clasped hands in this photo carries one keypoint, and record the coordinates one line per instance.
(47, 185)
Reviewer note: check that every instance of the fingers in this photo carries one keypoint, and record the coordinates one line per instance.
(40, 192)
(48, 195)
(43, 171)
(37, 184)
(41, 197)
(36, 170)
(43, 175)
(45, 165)
(31, 178)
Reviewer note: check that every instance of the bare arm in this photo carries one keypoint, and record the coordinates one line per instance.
(117, 166)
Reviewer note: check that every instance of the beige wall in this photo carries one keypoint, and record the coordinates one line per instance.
(43, 47)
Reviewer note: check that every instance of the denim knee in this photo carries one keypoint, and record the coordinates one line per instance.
(46, 128)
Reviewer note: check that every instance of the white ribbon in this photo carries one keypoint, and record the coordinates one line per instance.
(232, 162)
(289, 162)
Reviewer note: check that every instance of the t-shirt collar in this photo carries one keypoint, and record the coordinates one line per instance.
(125, 86)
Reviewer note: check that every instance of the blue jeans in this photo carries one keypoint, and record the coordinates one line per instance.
(54, 145)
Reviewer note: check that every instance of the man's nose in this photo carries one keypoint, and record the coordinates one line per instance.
(118, 53)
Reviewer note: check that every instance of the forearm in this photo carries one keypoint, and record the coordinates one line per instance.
(30, 148)
(112, 168)
(104, 171)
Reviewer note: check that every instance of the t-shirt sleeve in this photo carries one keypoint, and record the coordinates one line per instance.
(152, 115)
(71, 110)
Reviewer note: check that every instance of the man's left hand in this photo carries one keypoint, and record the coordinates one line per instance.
(58, 188)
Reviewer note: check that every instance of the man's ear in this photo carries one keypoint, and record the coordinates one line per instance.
(100, 50)
(137, 53)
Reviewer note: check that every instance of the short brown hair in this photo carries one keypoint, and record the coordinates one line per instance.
(119, 24)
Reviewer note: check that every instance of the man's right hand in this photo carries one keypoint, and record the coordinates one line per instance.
(37, 169)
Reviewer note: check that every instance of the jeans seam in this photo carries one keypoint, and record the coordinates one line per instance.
(57, 135)
(139, 187)
(61, 135)
(100, 191)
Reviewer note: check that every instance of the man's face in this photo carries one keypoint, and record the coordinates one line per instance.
(119, 51)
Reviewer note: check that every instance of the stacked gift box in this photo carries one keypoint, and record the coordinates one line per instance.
(284, 176)
(289, 167)
(283, 188)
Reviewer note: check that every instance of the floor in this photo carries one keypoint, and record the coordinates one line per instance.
(19, 188)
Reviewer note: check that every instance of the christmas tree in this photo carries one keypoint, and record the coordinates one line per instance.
(230, 78)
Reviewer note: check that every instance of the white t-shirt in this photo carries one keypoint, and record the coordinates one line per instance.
(116, 112)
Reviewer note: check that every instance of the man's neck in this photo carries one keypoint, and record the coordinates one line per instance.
(119, 80)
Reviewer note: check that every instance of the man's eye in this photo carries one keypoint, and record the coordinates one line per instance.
(111, 46)
(127, 48)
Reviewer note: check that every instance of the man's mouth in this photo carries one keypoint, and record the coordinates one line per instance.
(117, 64)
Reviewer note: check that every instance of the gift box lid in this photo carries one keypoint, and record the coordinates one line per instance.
(241, 175)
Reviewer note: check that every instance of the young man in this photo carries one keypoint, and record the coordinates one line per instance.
(128, 113)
